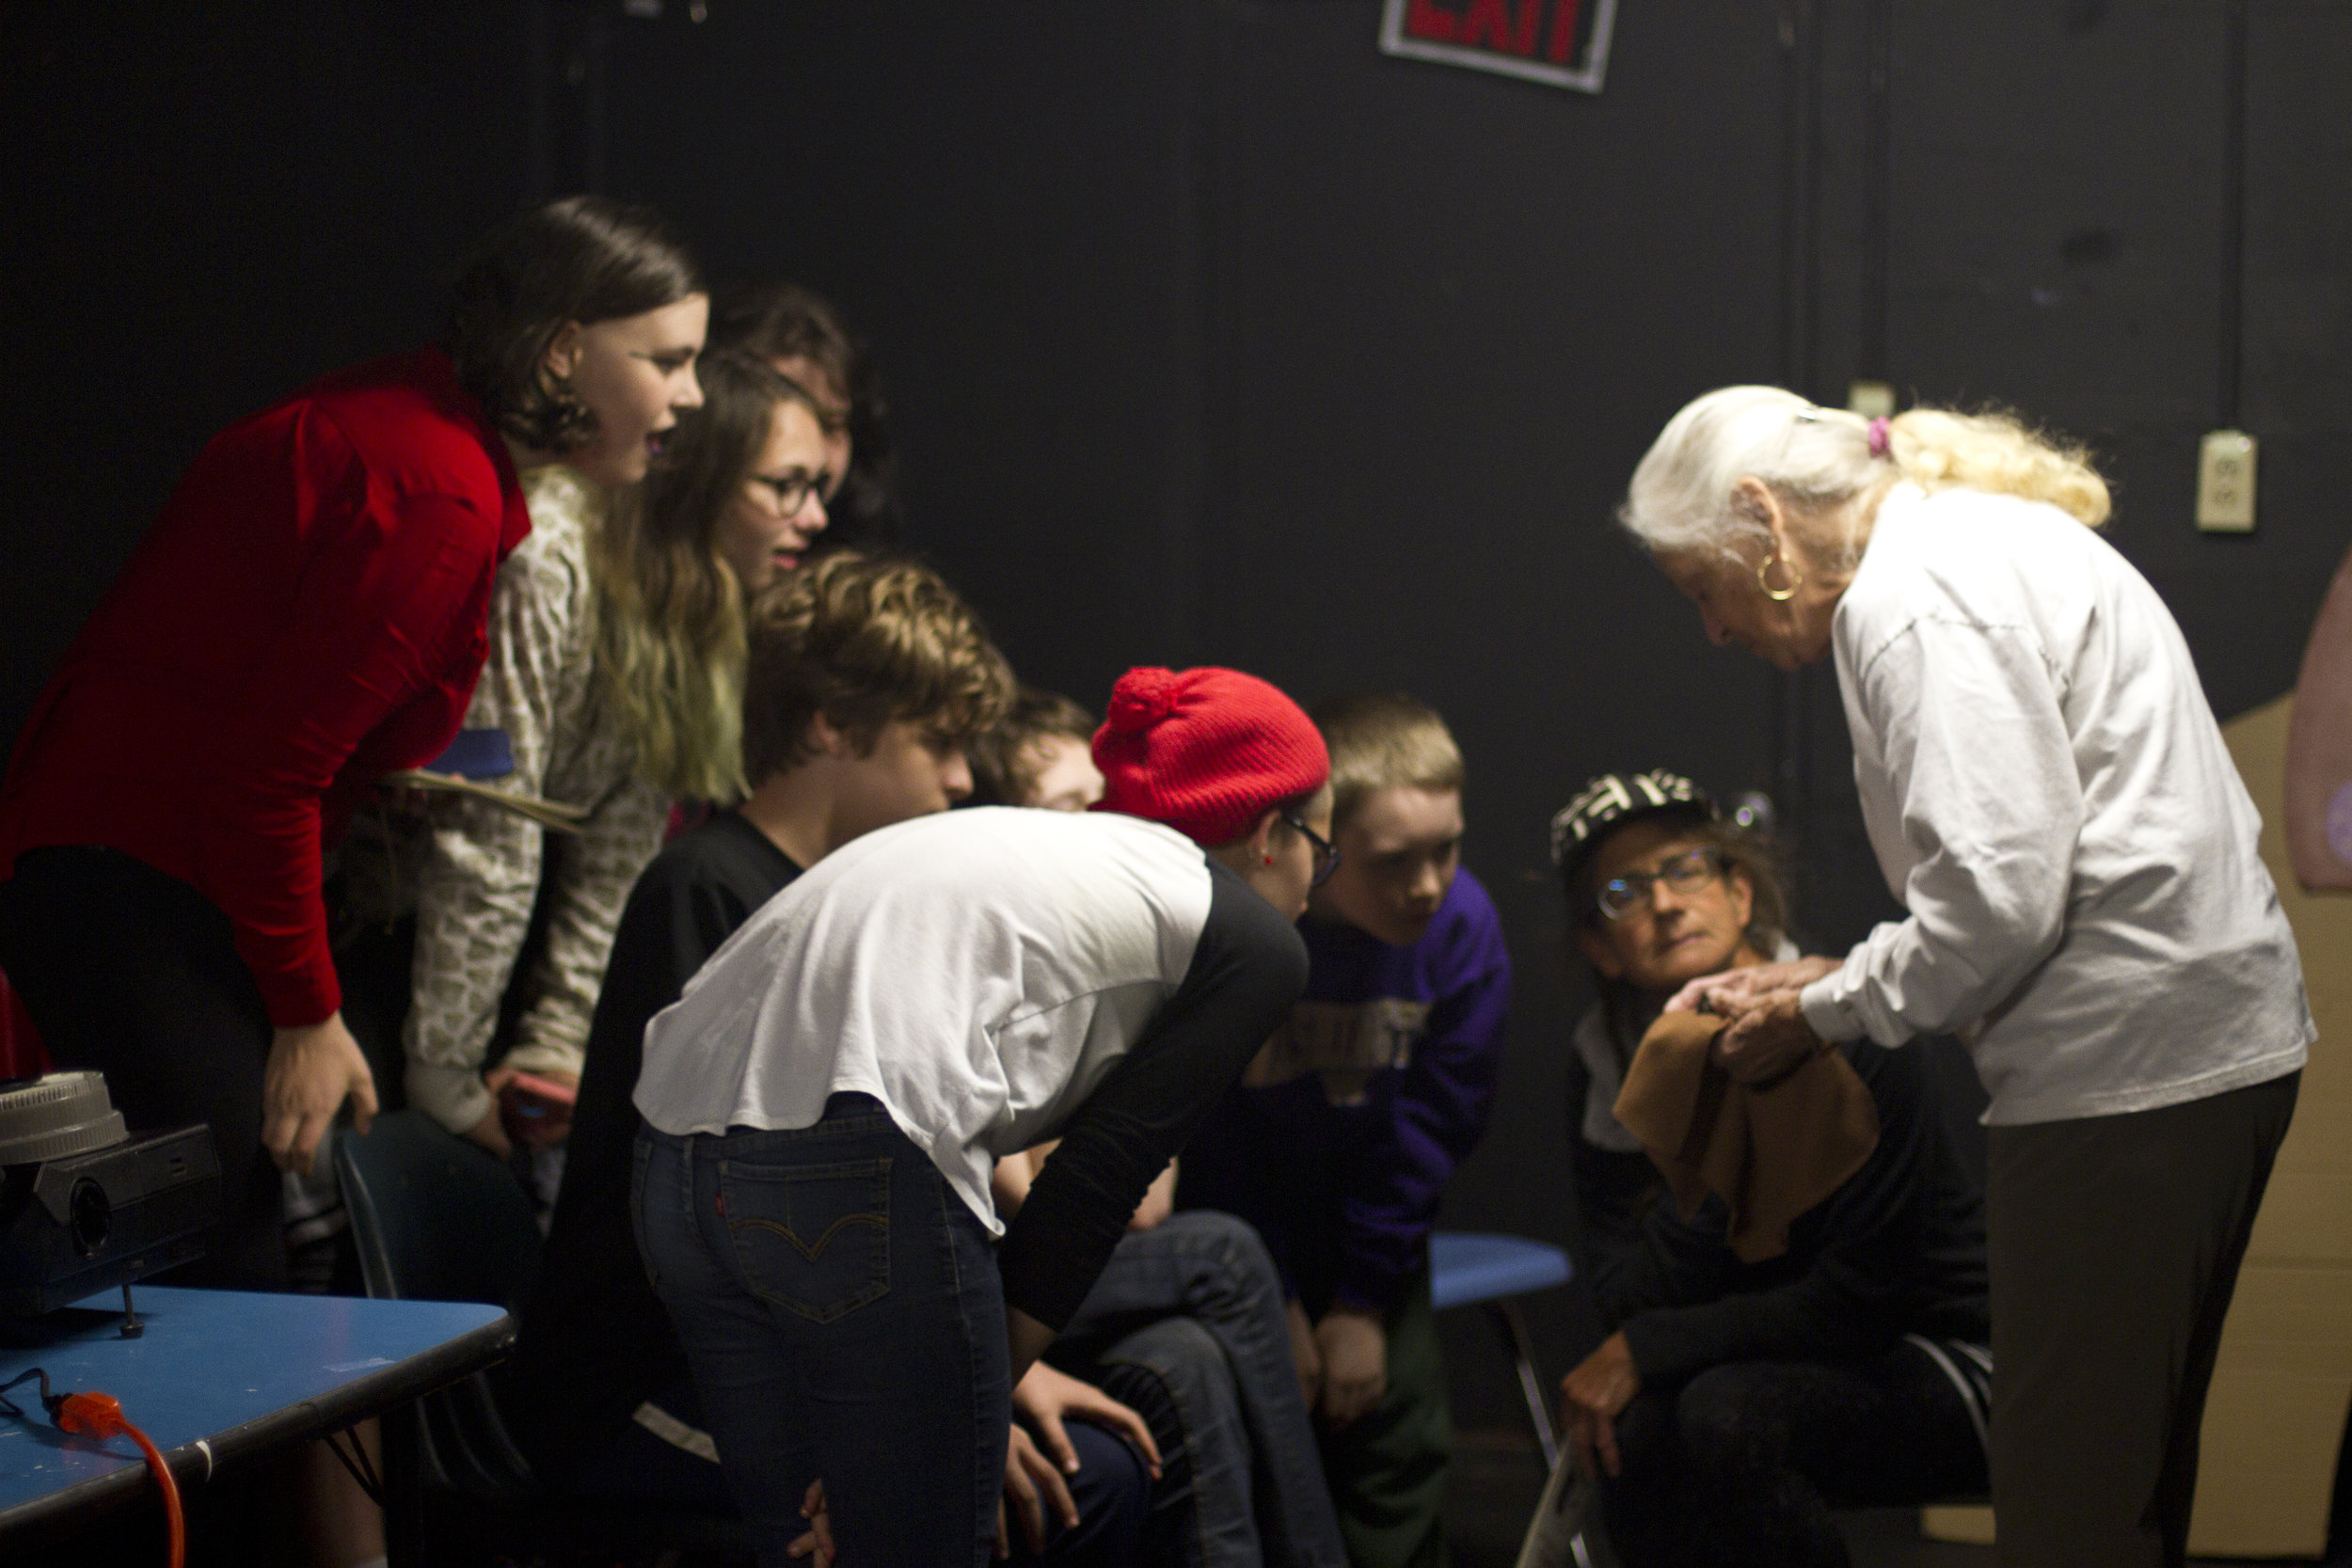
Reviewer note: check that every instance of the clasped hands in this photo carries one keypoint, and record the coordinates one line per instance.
(1343, 1362)
(1768, 1035)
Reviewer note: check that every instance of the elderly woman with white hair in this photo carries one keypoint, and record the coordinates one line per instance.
(2047, 793)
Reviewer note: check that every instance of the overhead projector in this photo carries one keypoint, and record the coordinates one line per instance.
(87, 1207)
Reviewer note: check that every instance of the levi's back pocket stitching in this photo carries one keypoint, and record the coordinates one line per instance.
(814, 1240)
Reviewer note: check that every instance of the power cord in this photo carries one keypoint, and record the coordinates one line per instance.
(99, 1415)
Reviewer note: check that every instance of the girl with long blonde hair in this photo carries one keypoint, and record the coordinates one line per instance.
(615, 671)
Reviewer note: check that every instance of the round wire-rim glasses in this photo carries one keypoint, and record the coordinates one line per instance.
(1685, 874)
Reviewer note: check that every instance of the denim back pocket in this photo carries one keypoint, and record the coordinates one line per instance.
(814, 1240)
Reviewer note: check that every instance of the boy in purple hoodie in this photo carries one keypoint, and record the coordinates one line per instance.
(1343, 1133)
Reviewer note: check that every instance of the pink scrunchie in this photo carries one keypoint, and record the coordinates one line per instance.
(1880, 436)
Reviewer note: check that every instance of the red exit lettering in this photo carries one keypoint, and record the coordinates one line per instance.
(1491, 24)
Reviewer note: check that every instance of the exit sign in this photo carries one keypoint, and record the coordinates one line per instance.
(1562, 44)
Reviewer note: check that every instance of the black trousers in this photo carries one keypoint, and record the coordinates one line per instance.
(2115, 1247)
(135, 974)
(1740, 1465)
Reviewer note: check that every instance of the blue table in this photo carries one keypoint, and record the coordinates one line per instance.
(218, 1376)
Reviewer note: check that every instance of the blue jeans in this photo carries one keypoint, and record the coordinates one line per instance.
(840, 1308)
(661, 1462)
(1188, 1318)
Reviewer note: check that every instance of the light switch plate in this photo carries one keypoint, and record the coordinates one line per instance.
(2225, 483)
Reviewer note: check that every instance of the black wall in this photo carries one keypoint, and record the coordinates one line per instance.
(1214, 335)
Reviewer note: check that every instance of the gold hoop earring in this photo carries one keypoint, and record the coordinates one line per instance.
(1779, 595)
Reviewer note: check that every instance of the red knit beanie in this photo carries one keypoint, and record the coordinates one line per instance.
(1205, 751)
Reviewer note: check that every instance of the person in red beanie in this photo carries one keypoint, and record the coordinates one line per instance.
(824, 1106)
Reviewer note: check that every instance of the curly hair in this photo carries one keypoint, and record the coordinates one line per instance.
(864, 640)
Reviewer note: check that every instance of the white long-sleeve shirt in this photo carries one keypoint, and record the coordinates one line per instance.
(2049, 796)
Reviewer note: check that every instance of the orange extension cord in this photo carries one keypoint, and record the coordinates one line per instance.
(99, 1415)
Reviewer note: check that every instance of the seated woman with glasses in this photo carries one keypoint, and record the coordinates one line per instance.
(1733, 1402)
(1660, 892)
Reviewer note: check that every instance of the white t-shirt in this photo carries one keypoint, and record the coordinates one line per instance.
(977, 972)
(2049, 796)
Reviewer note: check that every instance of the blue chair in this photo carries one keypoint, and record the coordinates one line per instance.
(1471, 1268)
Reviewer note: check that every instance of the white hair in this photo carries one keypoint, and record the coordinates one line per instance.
(1684, 495)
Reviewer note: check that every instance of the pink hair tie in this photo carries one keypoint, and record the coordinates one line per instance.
(1878, 436)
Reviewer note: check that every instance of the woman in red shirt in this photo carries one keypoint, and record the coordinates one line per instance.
(306, 615)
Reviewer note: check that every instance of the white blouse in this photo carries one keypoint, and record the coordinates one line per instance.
(2049, 796)
(977, 972)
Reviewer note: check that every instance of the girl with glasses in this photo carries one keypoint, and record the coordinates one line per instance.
(615, 672)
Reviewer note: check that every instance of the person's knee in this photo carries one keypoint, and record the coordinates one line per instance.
(1184, 1357)
(1727, 1424)
(1231, 1241)
(1113, 1493)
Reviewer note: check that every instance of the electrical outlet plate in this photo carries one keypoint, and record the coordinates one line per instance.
(2225, 483)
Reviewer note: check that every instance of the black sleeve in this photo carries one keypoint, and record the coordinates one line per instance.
(1247, 971)
(1852, 1269)
(673, 922)
(595, 1340)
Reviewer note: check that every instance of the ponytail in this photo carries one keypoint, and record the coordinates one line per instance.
(1683, 494)
(1937, 449)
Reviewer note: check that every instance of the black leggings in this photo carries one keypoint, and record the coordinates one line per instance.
(1740, 1465)
(137, 974)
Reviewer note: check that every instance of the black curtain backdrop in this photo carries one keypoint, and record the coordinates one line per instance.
(1213, 335)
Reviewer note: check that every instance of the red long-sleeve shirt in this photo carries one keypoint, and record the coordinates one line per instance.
(306, 615)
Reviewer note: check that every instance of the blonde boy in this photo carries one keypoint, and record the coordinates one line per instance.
(1342, 1135)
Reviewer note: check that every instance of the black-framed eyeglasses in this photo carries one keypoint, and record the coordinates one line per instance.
(1326, 852)
(793, 490)
(1686, 873)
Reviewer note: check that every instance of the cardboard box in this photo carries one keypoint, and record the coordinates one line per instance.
(2283, 1387)
(2275, 1418)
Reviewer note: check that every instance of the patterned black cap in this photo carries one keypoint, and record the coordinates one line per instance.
(1617, 798)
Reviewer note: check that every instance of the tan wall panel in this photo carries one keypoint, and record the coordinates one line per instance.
(2280, 1389)
(2266, 1494)
(2302, 1219)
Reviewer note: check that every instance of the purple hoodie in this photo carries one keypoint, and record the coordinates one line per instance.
(1345, 1129)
